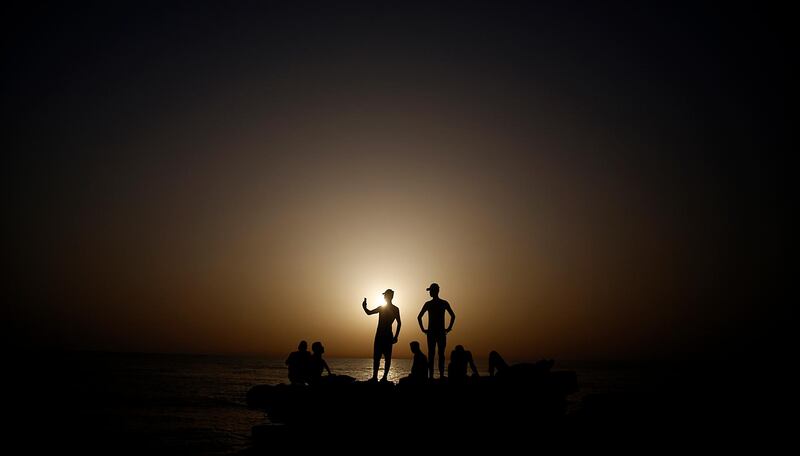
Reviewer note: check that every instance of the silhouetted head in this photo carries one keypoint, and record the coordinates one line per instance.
(302, 346)
(414, 347)
(317, 348)
(459, 349)
(388, 295)
(434, 290)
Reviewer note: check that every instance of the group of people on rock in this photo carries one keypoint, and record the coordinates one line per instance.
(306, 368)
(460, 359)
(436, 331)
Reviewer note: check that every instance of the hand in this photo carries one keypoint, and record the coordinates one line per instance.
(364, 304)
(424, 331)
(447, 331)
(394, 340)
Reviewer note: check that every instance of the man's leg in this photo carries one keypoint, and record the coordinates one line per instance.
(431, 352)
(387, 360)
(442, 344)
(376, 359)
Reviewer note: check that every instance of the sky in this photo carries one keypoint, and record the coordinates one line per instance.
(584, 181)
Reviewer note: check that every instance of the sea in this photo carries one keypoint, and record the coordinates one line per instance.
(195, 404)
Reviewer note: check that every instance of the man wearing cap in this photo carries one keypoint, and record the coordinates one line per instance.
(437, 334)
(383, 336)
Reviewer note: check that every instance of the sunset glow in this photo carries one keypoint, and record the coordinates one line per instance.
(580, 208)
(579, 190)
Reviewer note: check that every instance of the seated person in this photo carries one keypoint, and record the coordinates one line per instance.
(419, 368)
(499, 368)
(317, 363)
(496, 363)
(299, 364)
(459, 359)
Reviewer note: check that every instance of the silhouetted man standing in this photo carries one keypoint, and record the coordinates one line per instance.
(383, 336)
(437, 334)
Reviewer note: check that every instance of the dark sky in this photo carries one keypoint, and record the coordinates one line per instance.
(583, 180)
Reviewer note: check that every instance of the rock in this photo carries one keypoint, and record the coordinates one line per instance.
(478, 402)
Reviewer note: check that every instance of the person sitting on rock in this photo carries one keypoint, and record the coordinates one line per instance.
(317, 363)
(299, 364)
(419, 368)
(459, 360)
(500, 369)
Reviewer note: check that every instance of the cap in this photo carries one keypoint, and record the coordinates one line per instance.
(433, 285)
(389, 291)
